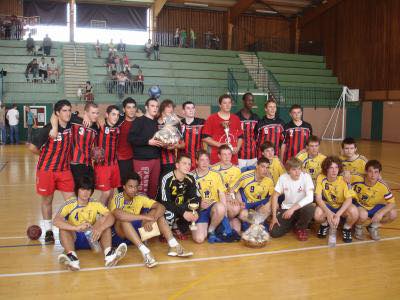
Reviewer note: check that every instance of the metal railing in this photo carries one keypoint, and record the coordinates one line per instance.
(233, 87)
(203, 40)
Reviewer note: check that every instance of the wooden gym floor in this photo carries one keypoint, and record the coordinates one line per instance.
(284, 269)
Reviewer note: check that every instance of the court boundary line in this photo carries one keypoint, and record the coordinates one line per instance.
(201, 259)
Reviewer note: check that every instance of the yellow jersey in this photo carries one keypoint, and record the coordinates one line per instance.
(76, 214)
(311, 165)
(276, 168)
(254, 190)
(369, 196)
(210, 185)
(229, 175)
(334, 193)
(133, 206)
(355, 166)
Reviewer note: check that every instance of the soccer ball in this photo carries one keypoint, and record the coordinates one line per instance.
(155, 91)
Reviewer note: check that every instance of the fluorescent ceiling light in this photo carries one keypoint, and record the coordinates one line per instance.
(196, 4)
(266, 11)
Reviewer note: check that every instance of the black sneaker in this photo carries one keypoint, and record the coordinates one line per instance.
(347, 235)
(49, 238)
(322, 231)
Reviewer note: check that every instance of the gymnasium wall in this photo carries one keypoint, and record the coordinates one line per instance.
(361, 42)
(11, 7)
(391, 113)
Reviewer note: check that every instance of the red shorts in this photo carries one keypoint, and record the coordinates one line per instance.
(107, 177)
(47, 182)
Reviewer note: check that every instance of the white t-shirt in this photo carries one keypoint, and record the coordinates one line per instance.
(299, 191)
(13, 117)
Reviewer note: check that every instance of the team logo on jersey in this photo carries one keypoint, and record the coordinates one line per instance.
(300, 189)
(81, 131)
(107, 130)
(59, 137)
(252, 189)
(266, 131)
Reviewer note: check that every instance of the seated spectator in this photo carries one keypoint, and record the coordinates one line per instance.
(47, 44)
(127, 66)
(30, 45)
(32, 68)
(111, 47)
(53, 71)
(88, 92)
(43, 69)
(121, 46)
(148, 48)
(156, 49)
(98, 49)
(139, 81)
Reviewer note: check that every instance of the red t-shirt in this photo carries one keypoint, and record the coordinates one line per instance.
(124, 149)
(213, 128)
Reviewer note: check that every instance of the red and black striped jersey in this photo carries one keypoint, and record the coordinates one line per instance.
(167, 156)
(108, 140)
(83, 139)
(192, 137)
(55, 154)
(295, 138)
(249, 146)
(124, 148)
(270, 130)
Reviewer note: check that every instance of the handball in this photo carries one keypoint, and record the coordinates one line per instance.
(34, 232)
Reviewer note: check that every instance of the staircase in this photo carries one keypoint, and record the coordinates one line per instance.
(75, 69)
(255, 69)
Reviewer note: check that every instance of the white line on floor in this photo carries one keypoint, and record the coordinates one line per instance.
(12, 237)
(197, 259)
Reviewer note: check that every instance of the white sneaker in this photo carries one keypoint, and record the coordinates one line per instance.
(70, 261)
(179, 251)
(374, 233)
(149, 260)
(115, 255)
(358, 232)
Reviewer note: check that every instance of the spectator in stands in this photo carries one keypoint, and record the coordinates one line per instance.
(176, 37)
(111, 47)
(156, 49)
(121, 78)
(13, 120)
(192, 38)
(32, 68)
(98, 49)
(208, 36)
(88, 92)
(53, 71)
(183, 38)
(30, 123)
(117, 64)
(110, 62)
(3, 133)
(43, 66)
(127, 66)
(140, 81)
(7, 28)
(112, 82)
(30, 45)
(148, 48)
(47, 44)
(216, 41)
(121, 46)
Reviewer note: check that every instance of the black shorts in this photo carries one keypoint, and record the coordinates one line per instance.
(80, 170)
(125, 167)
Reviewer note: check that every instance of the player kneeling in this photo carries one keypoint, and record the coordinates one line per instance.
(133, 211)
(374, 201)
(334, 199)
(213, 201)
(79, 215)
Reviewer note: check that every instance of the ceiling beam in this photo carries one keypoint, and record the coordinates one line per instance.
(238, 8)
(157, 7)
(315, 12)
(303, 3)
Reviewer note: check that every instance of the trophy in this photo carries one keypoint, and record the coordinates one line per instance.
(225, 124)
(256, 236)
(193, 207)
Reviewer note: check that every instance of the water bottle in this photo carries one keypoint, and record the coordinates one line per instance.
(94, 245)
(332, 237)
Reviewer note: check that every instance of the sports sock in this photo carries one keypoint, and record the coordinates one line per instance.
(173, 242)
(47, 225)
(346, 226)
(374, 225)
(325, 223)
(211, 229)
(143, 249)
(108, 249)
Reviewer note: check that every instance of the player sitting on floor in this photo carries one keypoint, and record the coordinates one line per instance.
(353, 163)
(79, 215)
(133, 211)
(297, 210)
(334, 198)
(374, 200)
(213, 201)
(253, 189)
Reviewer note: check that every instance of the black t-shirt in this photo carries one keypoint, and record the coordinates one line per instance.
(143, 130)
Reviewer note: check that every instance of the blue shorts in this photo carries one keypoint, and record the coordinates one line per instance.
(116, 240)
(334, 210)
(255, 205)
(373, 210)
(205, 215)
(81, 241)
